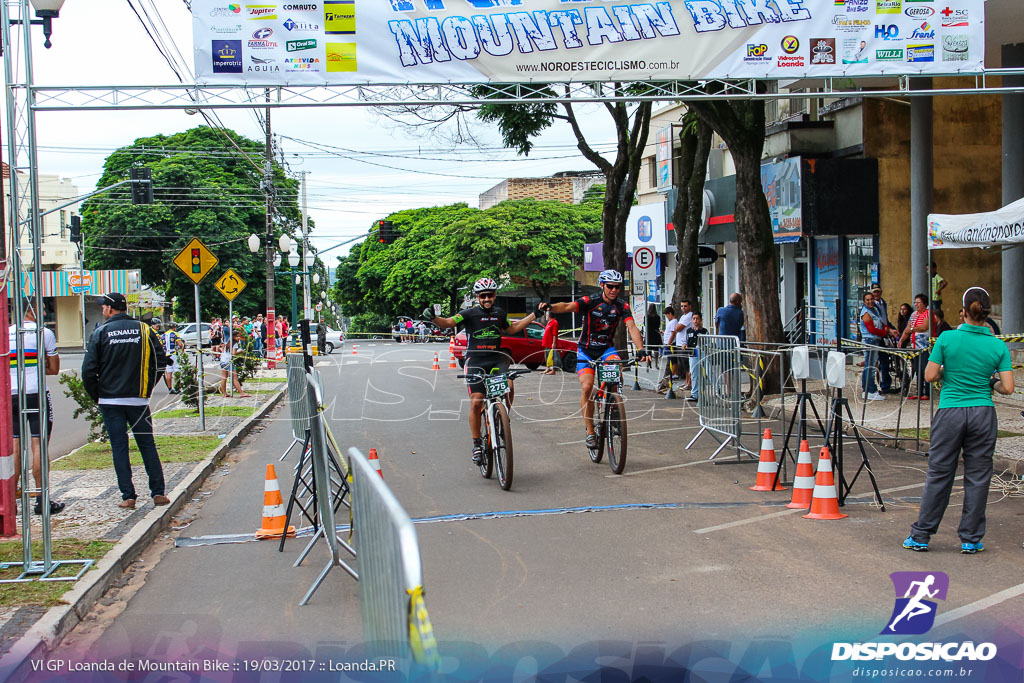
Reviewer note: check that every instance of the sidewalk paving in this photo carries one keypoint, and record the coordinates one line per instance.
(91, 495)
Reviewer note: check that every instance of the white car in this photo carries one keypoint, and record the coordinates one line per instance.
(187, 332)
(334, 338)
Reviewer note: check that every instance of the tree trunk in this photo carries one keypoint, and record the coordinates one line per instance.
(694, 150)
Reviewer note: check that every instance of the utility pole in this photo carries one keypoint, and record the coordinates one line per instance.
(306, 305)
(268, 185)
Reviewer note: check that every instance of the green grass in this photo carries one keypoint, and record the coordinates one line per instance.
(926, 433)
(211, 411)
(259, 391)
(95, 456)
(45, 593)
(275, 380)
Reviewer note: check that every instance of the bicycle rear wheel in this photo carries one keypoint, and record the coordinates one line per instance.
(487, 464)
(503, 447)
(615, 428)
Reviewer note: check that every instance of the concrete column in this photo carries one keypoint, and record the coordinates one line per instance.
(1013, 189)
(921, 183)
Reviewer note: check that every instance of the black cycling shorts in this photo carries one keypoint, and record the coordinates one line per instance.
(31, 402)
(483, 363)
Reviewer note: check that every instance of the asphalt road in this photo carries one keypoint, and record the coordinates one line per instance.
(722, 564)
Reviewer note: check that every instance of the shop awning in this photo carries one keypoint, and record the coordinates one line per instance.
(1004, 226)
(67, 282)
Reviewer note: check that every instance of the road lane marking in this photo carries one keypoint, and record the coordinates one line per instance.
(979, 605)
(631, 434)
(751, 520)
(658, 469)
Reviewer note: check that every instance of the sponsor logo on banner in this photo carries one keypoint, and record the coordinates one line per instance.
(956, 48)
(261, 40)
(887, 31)
(262, 65)
(920, 12)
(341, 57)
(923, 32)
(889, 55)
(888, 7)
(757, 53)
(914, 614)
(339, 19)
(254, 12)
(790, 44)
(293, 25)
(955, 17)
(302, 64)
(823, 50)
(300, 8)
(230, 30)
(857, 6)
(229, 11)
(920, 53)
(855, 51)
(227, 56)
(847, 25)
(297, 45)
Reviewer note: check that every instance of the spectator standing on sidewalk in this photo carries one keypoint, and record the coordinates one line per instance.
(873, 333)
(729, 319)
(906, 311)
(652, 330)
(32, 356)
(884, 358)
(696, 330)
(682, 331)
(938, 284)
(549, 342)
(119, 372)
(172, 344)
(668, 336)
(917, 329)
(972, 364)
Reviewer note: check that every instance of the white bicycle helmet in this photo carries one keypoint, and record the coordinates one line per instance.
(611, 276)
(485, 284)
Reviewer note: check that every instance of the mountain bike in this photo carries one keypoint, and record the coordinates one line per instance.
(497, 429)
(610, 413)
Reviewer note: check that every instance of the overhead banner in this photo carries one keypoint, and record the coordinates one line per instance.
(473, 41)
(1003, 226)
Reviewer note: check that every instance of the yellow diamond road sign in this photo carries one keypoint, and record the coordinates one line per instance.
(195, 260)
(230, 285)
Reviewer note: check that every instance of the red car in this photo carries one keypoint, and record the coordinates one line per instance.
(524, 348)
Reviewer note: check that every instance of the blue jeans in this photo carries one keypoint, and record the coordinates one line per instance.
(695, 376)
(257, 346)
(117, 420)
(867, 379)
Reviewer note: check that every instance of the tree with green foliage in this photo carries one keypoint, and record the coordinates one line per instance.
(203, 188)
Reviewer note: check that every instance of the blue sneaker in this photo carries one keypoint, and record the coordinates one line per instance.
(971, 548)
(917, 546)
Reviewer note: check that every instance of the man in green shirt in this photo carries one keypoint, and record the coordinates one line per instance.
(938, 284)
(972, 364)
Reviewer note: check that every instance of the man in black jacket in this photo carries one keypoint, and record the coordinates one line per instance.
(120, 370)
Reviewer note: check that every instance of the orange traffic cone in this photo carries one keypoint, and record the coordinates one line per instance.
(375, 462)
(435, 366)
(767, 467)
(825, 504)
(803, 480)
(451, 363)
(354, 352)
(273, 509)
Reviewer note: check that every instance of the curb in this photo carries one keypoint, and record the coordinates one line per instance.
(47, 633)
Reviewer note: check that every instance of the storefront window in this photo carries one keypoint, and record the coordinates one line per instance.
(860, 257)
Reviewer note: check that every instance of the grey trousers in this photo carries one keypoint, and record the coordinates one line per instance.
(973, 431)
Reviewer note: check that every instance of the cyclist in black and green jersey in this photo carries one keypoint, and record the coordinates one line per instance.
(484, 324)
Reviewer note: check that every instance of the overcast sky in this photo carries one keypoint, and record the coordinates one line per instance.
(101, 42)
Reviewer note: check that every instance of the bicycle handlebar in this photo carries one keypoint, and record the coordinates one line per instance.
(511, 374)
(623, 362)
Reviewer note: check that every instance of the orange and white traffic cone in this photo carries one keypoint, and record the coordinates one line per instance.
(375, 462)
(451, 363)
(435, 366)
(354, 352)
(803, 480)
(767, 467)
(825, 504)
(273, 509)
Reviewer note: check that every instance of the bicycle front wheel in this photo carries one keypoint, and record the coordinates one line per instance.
(597, 453)
(487, 463)
(615, 431)
(503, 446)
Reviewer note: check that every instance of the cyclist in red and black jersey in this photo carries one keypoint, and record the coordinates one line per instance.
(601, 318)
(484, 323)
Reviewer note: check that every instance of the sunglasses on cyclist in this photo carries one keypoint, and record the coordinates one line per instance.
(612, 286)
(486, 295)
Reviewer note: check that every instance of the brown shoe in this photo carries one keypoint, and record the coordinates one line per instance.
(128, 504)
(161, 500)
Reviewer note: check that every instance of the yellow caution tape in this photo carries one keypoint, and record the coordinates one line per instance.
(1011, 337)
(421, 633)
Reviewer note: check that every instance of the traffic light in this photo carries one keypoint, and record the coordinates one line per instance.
(142, 185)
(197, 262)
(386, 232)
(76, 229)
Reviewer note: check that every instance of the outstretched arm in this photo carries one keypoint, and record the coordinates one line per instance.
(564, 307)
(519, 325)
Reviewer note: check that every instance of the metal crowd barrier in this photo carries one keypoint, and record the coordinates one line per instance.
(394, 614)
(718, 393)
(298, 404)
